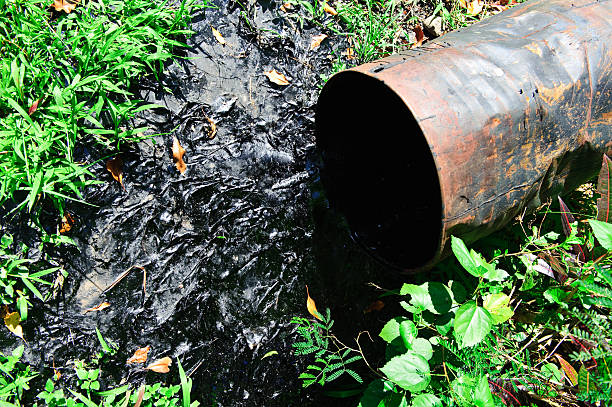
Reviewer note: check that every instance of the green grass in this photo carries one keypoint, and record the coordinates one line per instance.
(66, 77)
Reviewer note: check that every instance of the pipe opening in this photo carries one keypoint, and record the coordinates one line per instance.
(378, 170)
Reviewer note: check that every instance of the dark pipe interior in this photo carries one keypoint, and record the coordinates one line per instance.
(378, 170)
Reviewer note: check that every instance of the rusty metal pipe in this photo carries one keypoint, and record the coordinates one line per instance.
(459, 136)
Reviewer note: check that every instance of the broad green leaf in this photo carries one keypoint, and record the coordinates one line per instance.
(551, 371)
(408, 332)
(426, 400)
(482, 394)
(556, 295)
(496, 274)
(472, 324)
(603, 233)
(391, 330)
(423, 347)
(419, 297)
(434, 297)
(375, 394)
(497, 305)
(410, 371)
(465, 258)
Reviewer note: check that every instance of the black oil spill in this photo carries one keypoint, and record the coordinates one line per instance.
(227, 246)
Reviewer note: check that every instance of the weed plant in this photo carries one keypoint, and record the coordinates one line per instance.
(65, 77)
(526, 327)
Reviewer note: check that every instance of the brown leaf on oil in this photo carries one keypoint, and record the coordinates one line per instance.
(34, 106)
(213, 128)
(329, 9)
(67, 223)
(218, 36)
(277, 77)
(311, 307)
(375, 306)
(285, 8)
(12, 322)
(160, 365)
(115, 167)
(420, 36)
(177, 155)
(140, 356)
(569, 371)
(349, 53)
(317, 40)
(98, 307)
(474, 7)
(63, 5)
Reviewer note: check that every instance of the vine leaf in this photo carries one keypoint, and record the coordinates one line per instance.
(603, 233)
(472, 324)
(311, 307)
(410, 371)
(570, 372)
(603, 187)
(497, 305)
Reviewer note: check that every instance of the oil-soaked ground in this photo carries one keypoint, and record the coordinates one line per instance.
(229, 245)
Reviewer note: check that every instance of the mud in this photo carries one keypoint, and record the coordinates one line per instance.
(227, 246)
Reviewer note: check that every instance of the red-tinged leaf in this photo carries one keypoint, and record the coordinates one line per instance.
(34, 106)
(566, 217)
(420, 36)
(603, 187)
(566, 220)
(570, 372)
(558, 269)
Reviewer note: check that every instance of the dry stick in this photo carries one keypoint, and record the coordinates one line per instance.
(551, 352)
(124, 275)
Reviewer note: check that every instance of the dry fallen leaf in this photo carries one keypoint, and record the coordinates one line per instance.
(65, 5)
(277, 77)
(349, 53)
(160, 365)
(98, 307)
(177, 154)
(375, 306)
(218, 36)
(140, 356)
(12, 322)
(311, 307)
(213, 128)
(286, 7)
(474, 7)
(420, 36)
(34, 106)
(316, 40)
(115, 167)
(329, 9)
(67, 223)
(463, 3)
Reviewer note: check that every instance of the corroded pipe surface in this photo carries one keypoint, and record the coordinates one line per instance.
(459, 136)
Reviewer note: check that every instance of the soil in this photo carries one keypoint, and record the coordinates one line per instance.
(229, 245)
